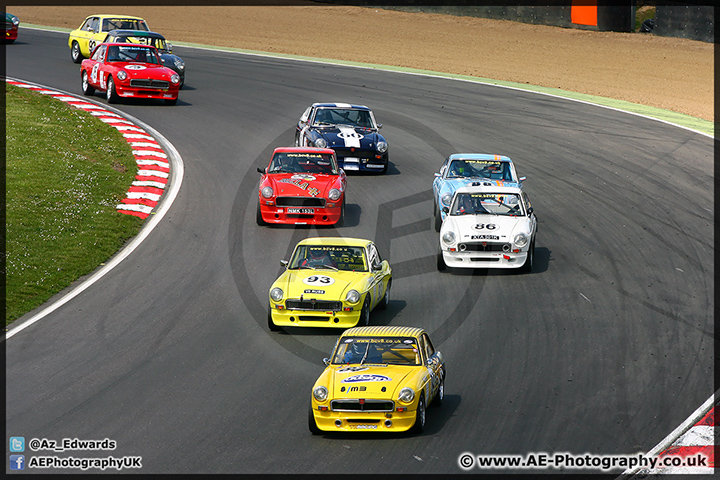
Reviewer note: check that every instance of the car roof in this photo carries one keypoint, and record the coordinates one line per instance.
(479, 156)
(135, 33)
(129, 17)
(343, 241)
(489, 189)
(340, 105)
(328, 151)
(383, 331)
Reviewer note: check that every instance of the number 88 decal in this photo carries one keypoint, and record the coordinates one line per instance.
(319, 280)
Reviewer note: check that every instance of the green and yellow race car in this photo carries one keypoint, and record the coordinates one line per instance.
(330, 282)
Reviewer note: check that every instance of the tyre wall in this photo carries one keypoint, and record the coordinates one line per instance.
(690, 20)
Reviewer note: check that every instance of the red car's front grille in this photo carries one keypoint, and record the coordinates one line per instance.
(300, 202)
(149, 83)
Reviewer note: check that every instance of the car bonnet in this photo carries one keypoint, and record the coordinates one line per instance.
(368, 381)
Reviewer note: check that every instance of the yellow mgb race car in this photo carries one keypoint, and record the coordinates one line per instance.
(330, 282)
(94, 29)
(379, 379)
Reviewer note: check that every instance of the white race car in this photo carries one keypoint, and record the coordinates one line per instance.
(488, 226)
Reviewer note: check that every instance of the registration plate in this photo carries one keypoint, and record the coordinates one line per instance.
(365, 427)
(308, 211)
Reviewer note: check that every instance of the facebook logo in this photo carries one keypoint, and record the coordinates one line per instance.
(17, 462)
(17, 444)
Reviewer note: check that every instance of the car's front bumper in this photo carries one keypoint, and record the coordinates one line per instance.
(319, 216)
(330, 421)
(363, 161)
(314, 318)
(139, 92)
(484, 259)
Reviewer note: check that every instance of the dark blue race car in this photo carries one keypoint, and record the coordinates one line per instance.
(348, 129)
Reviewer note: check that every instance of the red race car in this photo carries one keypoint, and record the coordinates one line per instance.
(129, 70)
(302, 186)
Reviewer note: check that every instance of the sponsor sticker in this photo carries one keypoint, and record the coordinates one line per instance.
(366, 377)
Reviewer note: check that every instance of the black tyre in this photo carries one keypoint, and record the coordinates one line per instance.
(111, 94)
(419, 425)
(258, 216)
(528, 265)
(440, 395)
(441, 265)
(312, 424)
(386, 298)
(365, 313)
(438, 219)
(341, 220)
(86, 87)
(75, 53)
(271, 324)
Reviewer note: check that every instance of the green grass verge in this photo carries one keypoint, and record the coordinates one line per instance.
(66, 171)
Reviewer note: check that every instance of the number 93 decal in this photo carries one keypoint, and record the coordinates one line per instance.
(319, 280)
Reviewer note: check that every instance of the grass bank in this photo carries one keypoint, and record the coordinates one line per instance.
(66, 172)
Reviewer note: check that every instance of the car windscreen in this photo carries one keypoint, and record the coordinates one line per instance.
(132, 53)
(343, 116)
(492, 169)
(123, 24)
(291, 162)
(378, 350)
(334, 257)
(487, 204)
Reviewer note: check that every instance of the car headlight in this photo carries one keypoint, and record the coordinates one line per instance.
(175, 78)
(381, 147)
(266, 192)
(122, 75)
(406, 395)
(446, 199)
(276, 294)
(321, 143)
(520, 240)
(320, 394)
(353, 296)
(449, 237)
(334, 194)
(179, 64)
(16, 21)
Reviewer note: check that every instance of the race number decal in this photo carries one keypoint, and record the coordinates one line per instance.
(319, 280)
(94, 73)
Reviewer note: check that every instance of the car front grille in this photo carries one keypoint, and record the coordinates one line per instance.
(368, 405)
(488, 247)
(320, 305)
(300, 202)
(358, 153)
(149, 83)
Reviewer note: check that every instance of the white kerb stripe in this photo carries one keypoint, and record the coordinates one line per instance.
(148, 196)
(135, 208)
(152, 173)
(149, 153)
(697, 436)
(138, 183)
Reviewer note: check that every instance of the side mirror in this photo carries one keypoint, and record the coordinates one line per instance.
(522, 179)
(437, 174)
(169, 47)
(377, 268)
(530, 210)
(326, 361)
(379, 125)
(284, 263)
(446, 209)
(261, 170)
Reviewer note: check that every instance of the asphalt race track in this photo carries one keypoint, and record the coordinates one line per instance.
(604, 348)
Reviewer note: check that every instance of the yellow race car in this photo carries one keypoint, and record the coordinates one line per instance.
(379, 379)
(94, 29)
(329, 282)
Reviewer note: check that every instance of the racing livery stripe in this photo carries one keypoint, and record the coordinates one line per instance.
(153, 168)
(349, 136)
